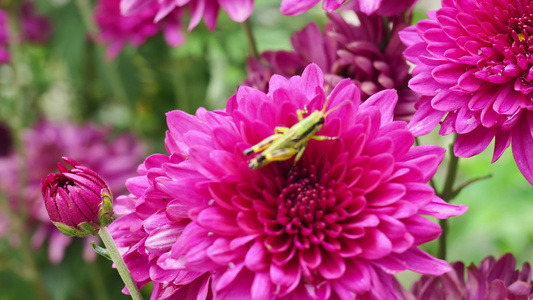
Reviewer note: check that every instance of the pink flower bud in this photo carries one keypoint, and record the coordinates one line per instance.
(78, 201)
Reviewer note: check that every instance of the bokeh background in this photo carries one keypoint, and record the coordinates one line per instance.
(68, 79)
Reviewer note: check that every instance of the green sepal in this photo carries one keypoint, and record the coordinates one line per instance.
(106, 208)
(101, 250)
(83, 229)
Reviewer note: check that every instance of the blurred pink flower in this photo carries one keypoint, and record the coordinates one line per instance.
(238, 10)
(117, 30)
(296, 7)
(492, 279)
(343, 51)
(388, 8)
(35, 28)
(474, 73)
(200, 224)
(4, 38)
(114, 159)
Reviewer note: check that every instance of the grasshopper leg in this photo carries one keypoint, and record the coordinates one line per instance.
(262, 145)
(324, 138)
(280, 129)
(300, 113)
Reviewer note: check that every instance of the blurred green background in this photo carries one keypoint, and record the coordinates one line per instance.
(68, 79)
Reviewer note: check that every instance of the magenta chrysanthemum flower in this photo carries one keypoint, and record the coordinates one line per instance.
(238, 10)
(492, 279)
(114, 159)
(344, 51)
(200, 224)
(117, 30)
(474, 70)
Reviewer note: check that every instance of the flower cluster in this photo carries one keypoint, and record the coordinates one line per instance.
(474, 73)
(338, 223)
(117, 30)
(114, 159)
(492, 279)
(343, 51)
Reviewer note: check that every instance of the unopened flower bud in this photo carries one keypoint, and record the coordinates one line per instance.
(78, 200)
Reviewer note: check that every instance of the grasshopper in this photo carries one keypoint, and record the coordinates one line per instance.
(287, 142)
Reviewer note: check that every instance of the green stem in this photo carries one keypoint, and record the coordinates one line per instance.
(109, 67)
(447, 195)
(180, 87)
(250, 39)
(119, 263)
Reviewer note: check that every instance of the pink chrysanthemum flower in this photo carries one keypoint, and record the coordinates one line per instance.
(343, 51)
(474, 70)
(380, 7)
(238, 10)
(117, 30)
(200, 224)
(492, 279)
(114, 159)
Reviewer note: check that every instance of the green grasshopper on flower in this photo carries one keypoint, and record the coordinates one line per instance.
(287, 142)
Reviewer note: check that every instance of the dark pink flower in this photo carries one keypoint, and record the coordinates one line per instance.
(77, 200)
(492, 279)
(474, 73)
(238, 10)
(363, 53)
(113, 158)
(200, 224)
(117, 30)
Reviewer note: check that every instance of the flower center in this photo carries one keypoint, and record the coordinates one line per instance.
(510, 55)
(304, 204)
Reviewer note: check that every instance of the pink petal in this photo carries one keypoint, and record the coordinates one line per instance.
(312, 78)
(296, 7)
(369, 6)
(375, 244)
(425, 118)
(332, 266)
(262, 286)
(421, 262)
(386, 101)
(442, 210)
(474, 142)
(522, 145)
(238, 10)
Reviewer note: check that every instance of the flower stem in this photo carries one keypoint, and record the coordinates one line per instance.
(248, 31)
(447, 195)
(119, 263)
